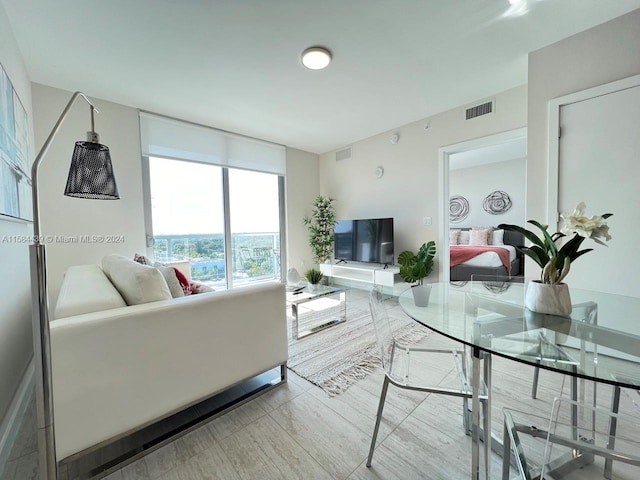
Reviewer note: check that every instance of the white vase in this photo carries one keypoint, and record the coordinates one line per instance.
(548, 298)
(421, 294)
(313, 287)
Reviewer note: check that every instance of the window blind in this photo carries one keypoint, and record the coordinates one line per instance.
(167, 137)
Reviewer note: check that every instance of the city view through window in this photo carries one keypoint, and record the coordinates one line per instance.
(187, 208)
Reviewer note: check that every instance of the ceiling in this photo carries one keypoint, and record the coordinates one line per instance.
(499, 152)
(235, 65)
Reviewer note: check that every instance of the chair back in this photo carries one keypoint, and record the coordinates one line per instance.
(382, 327)
(593, 432)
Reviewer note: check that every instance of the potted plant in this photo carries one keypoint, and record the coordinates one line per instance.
(549, 294)
(313, 276)
(415, 267)
(320, 224)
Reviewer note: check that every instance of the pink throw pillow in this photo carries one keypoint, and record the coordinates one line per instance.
(478, 237)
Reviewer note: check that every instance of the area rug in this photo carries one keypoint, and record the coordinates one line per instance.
(337, 357)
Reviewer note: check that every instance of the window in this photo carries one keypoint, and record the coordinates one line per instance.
(214, 198)
(188, 217)
(255, 233)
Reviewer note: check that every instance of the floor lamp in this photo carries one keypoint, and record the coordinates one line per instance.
(90, 176)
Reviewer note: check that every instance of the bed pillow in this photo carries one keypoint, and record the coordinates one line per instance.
(136, 283)
(478, 237)
(453, 237)
(463, 239)
(489, 233)
(498, 237)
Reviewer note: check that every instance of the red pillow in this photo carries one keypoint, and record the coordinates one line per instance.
(184, 283)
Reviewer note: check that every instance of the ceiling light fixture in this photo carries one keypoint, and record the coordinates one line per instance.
(316, 58)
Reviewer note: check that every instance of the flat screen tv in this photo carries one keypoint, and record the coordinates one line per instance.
(368, 240)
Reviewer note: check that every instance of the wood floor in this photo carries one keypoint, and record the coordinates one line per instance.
(298, 432)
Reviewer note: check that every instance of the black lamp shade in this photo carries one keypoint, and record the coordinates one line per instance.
(91, 173)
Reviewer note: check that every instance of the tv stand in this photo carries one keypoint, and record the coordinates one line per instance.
(369, 273)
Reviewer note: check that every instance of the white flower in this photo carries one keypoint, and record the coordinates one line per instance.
(595, 227)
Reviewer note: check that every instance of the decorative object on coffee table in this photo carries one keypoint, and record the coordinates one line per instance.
(313, 276)
(415, 267)
(549, 295)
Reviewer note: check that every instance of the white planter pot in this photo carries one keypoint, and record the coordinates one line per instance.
(421, 294)
(549, 299)
(313, 287)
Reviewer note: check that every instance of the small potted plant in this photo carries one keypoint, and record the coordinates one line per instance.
(549, 294)
(414, 267)
(313, 276)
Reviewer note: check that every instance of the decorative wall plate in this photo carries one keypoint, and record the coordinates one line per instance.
(458, 208)
(497, 203)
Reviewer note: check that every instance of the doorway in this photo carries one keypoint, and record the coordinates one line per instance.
(478, 169)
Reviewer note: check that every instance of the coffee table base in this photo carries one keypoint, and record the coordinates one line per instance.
(318, 313)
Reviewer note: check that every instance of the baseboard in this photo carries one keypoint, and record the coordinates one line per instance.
(15, 413)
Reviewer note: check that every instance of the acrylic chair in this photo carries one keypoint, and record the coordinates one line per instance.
(543, 350)
(574, 447)
(396, 362)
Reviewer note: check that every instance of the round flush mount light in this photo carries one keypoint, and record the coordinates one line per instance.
(316, 58)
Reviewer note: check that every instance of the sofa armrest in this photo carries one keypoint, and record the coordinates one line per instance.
(137, 364)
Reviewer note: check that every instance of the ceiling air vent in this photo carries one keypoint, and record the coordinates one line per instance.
(344, 154)
(479, 110)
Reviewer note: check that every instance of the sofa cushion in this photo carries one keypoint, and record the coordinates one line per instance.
(136, 283)
(86, 289)
(169, 274)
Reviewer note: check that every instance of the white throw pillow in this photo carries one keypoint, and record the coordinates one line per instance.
(136, 283)
(498, 237)
(478, 237)
(169, 275)
(463, 239)
(86, 289)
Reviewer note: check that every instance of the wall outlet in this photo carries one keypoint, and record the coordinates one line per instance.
(426, 221)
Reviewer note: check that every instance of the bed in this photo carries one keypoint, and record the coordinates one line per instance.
(495, 259)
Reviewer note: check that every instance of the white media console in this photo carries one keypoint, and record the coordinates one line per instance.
(374, 274)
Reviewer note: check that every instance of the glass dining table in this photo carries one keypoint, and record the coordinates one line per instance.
(601, 338)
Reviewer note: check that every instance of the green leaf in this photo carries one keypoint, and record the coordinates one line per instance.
(532, 237)
(549, 244)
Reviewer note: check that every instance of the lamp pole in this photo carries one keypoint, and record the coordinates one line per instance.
(40, 318)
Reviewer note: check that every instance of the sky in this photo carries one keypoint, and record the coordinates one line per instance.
(186, 198)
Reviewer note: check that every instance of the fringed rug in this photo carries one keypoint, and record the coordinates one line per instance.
(339, 356)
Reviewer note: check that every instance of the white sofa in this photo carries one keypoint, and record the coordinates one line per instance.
(120, 368)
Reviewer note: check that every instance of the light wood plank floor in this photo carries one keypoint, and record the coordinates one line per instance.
(298, 432)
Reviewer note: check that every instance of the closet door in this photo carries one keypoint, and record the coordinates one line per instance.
(599, 163)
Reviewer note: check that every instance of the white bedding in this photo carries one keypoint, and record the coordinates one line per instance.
(489, 259)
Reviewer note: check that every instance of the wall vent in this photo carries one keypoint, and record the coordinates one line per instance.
(480, 110)
(344, 154)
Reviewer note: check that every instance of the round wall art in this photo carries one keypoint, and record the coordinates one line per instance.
(496, 203)
(458, 208)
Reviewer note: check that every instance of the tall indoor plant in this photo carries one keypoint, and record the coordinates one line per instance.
(414, 267)
(320, 224)
(555, 257)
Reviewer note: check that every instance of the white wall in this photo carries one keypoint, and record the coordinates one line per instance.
(303, 184)
(475, 183)
(118, 127)
(600, 55)
(409, 189)
(16, 347)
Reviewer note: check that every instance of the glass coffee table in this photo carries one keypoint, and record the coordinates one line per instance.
(313, 311)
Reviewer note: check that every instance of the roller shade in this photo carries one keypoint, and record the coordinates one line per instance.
(166, 137)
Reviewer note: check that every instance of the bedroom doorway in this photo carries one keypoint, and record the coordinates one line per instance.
(483, 184)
